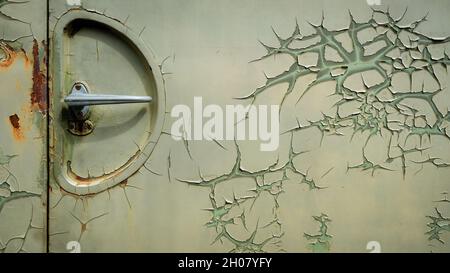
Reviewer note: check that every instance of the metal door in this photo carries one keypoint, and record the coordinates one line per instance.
(345, 148)
(23, 126)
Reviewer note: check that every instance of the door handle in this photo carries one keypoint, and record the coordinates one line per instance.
(80, 96)
(80, 99)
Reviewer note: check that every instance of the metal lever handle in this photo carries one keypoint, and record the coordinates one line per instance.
(93, 99)
(79, 96)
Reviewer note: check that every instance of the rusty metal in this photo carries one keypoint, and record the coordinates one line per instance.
(80, 127)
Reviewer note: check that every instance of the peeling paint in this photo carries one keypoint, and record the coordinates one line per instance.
(321, 242)
(371, 117)
(73, 2)
(9, 54)
(15, 195)
(84, 224)
(79, 180)
(11, 179)
(373, 113)
(21, 192)
(439, 224)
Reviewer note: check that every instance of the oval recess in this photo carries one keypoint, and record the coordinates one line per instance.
(62, 171)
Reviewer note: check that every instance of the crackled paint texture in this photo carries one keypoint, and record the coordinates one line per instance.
(439, 224)
(364, 115)
(381, 109)
(321, 242)
(23, 129)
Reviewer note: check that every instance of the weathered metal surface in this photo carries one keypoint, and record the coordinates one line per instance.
(23, 130)
(361, 158)
(364, 149)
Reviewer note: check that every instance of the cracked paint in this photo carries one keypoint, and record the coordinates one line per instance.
(21, 192)
(321, 242)
(84, 223)
(9, 52)
(39, 89)
(15, 123)
(438, 225)
(9, 195)
(21, 237)
(95, 179)
(8, 55)
(372, 115)
(11, 179)
(382, 110)
(5, 159)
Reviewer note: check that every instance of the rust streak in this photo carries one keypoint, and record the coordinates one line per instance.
(38, 94)
(15, 123)
(9, 55)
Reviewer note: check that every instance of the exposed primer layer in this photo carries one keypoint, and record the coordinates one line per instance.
(439, 224)
(8, 55)
(383, 109)
(376, 115)
(320, 242)
(21, 192)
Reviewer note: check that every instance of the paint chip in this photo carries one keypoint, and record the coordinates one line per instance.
(15, 123)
